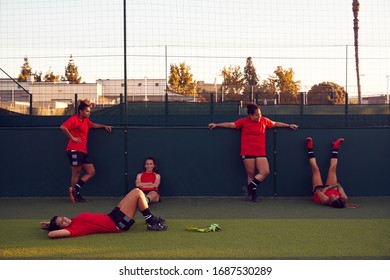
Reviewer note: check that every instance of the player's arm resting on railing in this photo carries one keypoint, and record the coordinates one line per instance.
(223, 125)
(106, 127)
(286, 125)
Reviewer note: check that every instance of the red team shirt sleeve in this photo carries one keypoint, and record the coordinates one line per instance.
(239, 123)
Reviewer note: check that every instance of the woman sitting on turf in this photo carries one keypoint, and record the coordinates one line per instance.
(331, 194)
(149, 180)
(120, 219)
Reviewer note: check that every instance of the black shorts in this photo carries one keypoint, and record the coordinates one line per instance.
(148, 191)
(319, 188)
(246, 156)
(120, 219)
(78, 158)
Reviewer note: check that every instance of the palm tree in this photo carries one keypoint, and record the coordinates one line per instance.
(355, 9)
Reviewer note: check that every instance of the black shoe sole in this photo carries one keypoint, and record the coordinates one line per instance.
(157, 227)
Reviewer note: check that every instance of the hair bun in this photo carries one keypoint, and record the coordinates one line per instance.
(87, 102)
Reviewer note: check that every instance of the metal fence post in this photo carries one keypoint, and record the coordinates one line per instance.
(346, 110)
(302, 102)
(166, 111)
(121, 111)
(75, 103)
(31, 104)
(212, 106)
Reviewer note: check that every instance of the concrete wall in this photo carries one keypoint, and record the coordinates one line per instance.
(193, 161)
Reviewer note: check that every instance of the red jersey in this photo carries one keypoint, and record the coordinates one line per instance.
(148, 178)
(328, 193)
(89, 223)
(78, 128)
(253, 135)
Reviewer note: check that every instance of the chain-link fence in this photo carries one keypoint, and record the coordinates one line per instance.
(124, 52)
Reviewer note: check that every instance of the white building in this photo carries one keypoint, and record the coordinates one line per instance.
(61, 94)
(137, 89)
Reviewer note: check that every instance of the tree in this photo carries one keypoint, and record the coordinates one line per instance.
(38, 76)
(287, 86)
(181, 80)
(285, 81)
(326, 93)
(251, 78)
(233, 80)
(72, 73)
(268, 86)
(355, 10)
(25, 71)
(50, 77)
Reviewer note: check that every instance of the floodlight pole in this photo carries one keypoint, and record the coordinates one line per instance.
(125, 62)
(126, 171)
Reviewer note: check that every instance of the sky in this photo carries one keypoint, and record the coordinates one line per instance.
(315, 38)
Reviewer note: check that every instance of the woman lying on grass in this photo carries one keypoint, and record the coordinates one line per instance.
(120, 219)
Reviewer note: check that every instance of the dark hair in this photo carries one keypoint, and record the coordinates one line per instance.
(82, 106)
(155, 169)
(251, 108)
(53, 224)
(338, 203)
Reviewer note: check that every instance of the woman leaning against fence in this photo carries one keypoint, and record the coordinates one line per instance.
(76, 128)
(253, 146)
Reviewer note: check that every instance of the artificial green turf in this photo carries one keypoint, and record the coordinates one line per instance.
(275, 228)
(239, 239)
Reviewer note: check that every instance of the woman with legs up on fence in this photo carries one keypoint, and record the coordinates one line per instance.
(332, 193)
